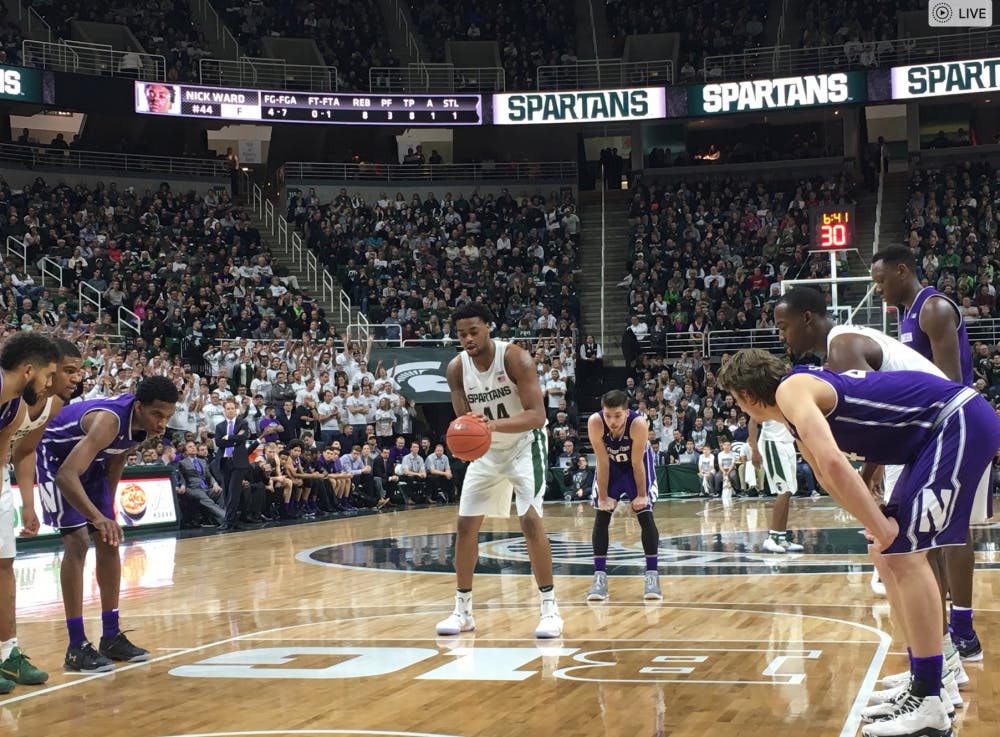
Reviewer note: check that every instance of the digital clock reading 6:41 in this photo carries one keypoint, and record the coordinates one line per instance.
(832, 228)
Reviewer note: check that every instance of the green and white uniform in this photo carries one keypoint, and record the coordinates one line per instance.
(777, 446)
(515, 463)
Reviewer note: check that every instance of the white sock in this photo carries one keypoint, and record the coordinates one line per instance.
(464, 600)
(7, 647)
(549, 595)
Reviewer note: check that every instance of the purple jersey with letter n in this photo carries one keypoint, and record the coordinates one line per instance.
(910, 333)
(621, 478)
(58, 441)
(943, 433)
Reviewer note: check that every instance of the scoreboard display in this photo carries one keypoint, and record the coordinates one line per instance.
(360, 108)
(832, 227)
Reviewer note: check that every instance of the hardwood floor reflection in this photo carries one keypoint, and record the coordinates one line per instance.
(328, 628)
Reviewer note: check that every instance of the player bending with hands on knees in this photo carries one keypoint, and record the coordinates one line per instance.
(28, 361)
(932, 324)
(498, 381)
(625, 472)
(805, 327)
(943, 433)
(80, 460)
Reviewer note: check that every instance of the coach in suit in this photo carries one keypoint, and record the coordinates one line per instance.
(202, 491)
(232, 436)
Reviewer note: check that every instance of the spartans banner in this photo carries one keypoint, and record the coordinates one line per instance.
(421, 372)
(770, 94)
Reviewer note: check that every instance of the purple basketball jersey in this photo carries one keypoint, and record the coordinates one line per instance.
(61, 436)
(621, 478)
(66, 430)
(885, 417)
(911, 335)
(943, 433)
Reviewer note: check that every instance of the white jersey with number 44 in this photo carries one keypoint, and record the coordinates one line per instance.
(492, 393)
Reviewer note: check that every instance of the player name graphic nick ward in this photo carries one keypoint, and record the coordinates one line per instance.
(491, 396)
(219, 103)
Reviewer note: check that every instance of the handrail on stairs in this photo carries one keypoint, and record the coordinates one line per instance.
(292, 245)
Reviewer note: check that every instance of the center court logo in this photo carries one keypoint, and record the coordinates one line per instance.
(960, 14)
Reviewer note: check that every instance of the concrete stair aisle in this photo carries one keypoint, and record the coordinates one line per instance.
(285, 259)
(593, 279)
(894, 199)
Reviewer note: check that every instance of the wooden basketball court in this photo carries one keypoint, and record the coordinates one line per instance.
(328, 628)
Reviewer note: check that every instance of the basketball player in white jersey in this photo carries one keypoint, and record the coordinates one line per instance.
(498, 381)
(15, 665)
(805, 327)
(772, 446)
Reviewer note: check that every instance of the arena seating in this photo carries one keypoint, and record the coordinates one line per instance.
(529, 36)
(951, 224)
(173, 258)
(705, 255)
(350, 35)
(863, 24)
(522, 258)
(164, 28)
(706, 29)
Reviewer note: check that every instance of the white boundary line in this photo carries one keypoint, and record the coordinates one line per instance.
(311, 732)
(849, 729)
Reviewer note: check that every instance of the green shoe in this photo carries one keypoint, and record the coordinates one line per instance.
(6, 686)
(19, 669)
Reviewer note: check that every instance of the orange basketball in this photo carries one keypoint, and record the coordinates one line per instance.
(469, 437)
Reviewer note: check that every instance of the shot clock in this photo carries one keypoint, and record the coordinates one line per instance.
(832, 227)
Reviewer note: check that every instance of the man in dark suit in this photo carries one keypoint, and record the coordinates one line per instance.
(231, 438)
(384, 477)
(202, 492)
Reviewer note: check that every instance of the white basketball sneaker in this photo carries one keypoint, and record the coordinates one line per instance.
(949, 690)
(953, 663)
(551, 624)
(886, 703)
(890, 695)
(897, 679)
(926, 716)
(461, 619)
(878, 588)
(791, 547)
(771, 546)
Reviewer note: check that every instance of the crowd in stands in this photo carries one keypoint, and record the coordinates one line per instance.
(351, 36)
(710, 255)
(166, 28)
(866, 30)
(10, 38)
(189, 266)
(332, 432)
(528, 35)
(952, 223)
(212, 280)
(408, 262)
(706, 29)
